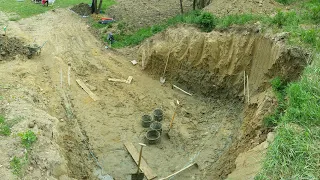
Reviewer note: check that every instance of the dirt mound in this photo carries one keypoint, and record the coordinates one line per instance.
(82, 9)
(214, 63)
(11, 46)
(225, 7)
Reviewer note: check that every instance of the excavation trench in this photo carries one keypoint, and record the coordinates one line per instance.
(214, 66)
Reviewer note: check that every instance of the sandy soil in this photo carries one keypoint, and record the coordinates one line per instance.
(202, 125)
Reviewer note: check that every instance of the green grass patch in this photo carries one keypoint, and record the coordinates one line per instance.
(27, 8)
(27, 138)
(5, 129)
(286, 2)
(16, 165)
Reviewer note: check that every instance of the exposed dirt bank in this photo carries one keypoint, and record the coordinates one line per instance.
(213, 64)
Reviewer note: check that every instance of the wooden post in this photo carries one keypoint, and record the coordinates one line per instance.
(248, 89)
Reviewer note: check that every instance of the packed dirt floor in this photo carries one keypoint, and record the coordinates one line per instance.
(83, 139)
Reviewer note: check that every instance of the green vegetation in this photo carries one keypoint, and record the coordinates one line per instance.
(27, 8)
(16, 165)
(286, 1)
(27, 138)
(5, 129)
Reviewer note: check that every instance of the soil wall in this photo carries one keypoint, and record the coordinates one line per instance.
(213, 64)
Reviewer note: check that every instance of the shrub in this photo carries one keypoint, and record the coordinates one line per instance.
(207, 21)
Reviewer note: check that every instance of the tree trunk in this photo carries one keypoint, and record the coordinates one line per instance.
(99, 8)
(194, 4)
(181, 6)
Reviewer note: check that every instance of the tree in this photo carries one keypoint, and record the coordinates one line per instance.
(181, 6)
(96, 7)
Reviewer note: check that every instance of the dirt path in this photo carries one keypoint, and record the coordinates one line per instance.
(204, 127)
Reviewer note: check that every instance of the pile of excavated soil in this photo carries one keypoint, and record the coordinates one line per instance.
(11, 46)
(225, 7)
(214, 63)
(82, 9)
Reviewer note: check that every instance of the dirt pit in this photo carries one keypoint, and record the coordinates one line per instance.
(82, 9)
(91, 134)
(11, 46)
(214, 65)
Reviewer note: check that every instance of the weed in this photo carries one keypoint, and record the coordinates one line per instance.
(2, 119)
(281, 19)
(207, 21)
(279, 87)
(27, 138)
(286, 1)
(5, 129)
(310, 36)
(229, 20)
(16, 166)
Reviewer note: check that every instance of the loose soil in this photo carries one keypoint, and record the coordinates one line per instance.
(85, 135)
(82, 9)
(11, 46)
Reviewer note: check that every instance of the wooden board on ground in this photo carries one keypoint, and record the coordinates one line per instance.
(87, 90)
(143, 166)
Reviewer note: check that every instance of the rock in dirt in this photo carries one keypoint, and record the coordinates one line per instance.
(31, 125)
(82, 9)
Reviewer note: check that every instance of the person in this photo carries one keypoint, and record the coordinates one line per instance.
(45, 2)
(110, 38)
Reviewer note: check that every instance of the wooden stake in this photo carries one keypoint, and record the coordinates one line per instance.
(244, 83)
(178, 171)
(248, 89)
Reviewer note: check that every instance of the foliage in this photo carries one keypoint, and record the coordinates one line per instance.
(16, 166)
(295, 152)
(239, 19)
(27, 138)
(207, 21)
(5, 129)
(278, 87)
(286, 1)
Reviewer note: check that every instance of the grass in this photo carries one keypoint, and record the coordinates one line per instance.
(27, 8)
(27, 138)
(5, 129)
(16, 165)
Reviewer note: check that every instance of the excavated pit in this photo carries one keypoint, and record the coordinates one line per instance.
(212, 65)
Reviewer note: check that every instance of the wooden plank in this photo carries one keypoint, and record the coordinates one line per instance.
(117, 80)
(143, 166)
(87, 90)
